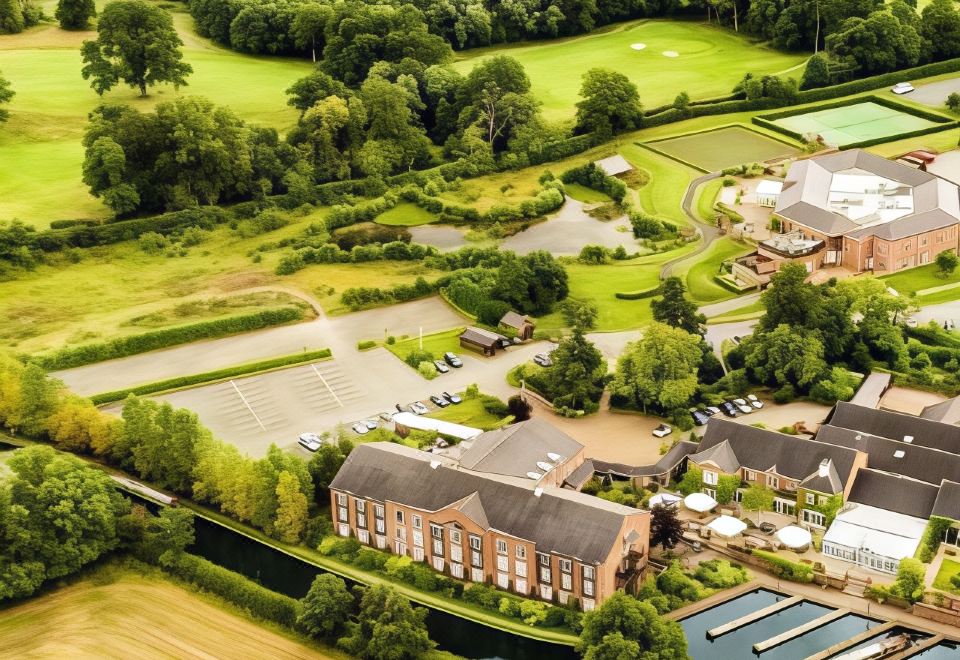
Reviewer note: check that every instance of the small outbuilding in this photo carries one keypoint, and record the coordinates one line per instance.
(478, 339)
(405, 422)
(518, 324)
(768, 192)
(614, 165)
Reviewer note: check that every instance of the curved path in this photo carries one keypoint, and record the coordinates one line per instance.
(708, 233)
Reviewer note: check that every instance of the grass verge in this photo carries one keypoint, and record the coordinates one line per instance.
(469, 413)
(406, 214)
(437, 343)
(948, 569)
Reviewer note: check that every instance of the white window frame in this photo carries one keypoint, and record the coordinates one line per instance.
(456, 536)
(417, 522)
(503, 580)
(363, 536)
(566, 581)
(501, 547)
(749, 475)
(381, 526)
(588, 587)
(521, 551)
(456, 554)
(589, 573)
(521, 587)
(400, 520)
(565, 565)
(503, 564)
(343, 515)
(476, 575)
(361, 506)
(476, 559)
(418, 539)
(811, 498)
(710, 477)
(437, 548)
(418, 554)
(436, 531)
(456, 570)
(378, 510)
(341, 499)
(773, 482)
(475, 542)
(438, 564)
(520, 568)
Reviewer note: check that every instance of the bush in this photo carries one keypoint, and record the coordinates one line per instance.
(785, 394)
(519, 408)
(427, 370)
(366, 345)
(591, 176)
(720, 574)
(68, 358)
(494, 406)
(784, 568)
(415, 357)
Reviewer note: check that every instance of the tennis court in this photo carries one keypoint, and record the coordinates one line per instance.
(725, 147)
(854, 123)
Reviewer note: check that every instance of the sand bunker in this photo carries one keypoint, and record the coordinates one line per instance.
(671, 53)
(638, 46)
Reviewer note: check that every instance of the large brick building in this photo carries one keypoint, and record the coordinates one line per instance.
(857, 211)
(494, 511)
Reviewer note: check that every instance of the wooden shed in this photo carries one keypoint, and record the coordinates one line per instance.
(478, 339)
(518, 324)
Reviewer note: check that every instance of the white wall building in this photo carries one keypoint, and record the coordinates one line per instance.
(873, 538)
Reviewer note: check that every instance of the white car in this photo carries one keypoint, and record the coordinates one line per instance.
(713, 410)
(902, 88)
(419, 408)
(360, 428)
(754, 401)
(371, 424)
(662, 431)
(310, 441)
(742, 406)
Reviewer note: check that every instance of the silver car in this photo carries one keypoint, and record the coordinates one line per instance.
(310, 441)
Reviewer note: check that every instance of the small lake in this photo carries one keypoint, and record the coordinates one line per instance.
(942, 651)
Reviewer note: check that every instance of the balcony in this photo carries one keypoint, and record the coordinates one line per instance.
(790, 246)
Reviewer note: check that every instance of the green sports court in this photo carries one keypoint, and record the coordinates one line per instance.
(854, 123)
(724, 147)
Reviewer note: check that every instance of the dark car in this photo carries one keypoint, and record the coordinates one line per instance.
(452, 360)
(441, 366)
(700, 418)
(728, 409)
(439, 401)
(452, 398)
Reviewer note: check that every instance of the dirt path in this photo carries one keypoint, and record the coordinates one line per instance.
(708, 233)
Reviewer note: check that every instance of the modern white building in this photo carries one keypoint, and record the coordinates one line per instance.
(873, 538)
(768, 192)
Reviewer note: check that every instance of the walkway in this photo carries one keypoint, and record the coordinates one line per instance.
(708, 233)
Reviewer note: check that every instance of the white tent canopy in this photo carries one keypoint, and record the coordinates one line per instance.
(699, 502)
(794, 537)
(664, 499)
(727, 526)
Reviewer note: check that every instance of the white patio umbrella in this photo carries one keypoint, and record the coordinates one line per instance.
(794, 537)
(699, 502)
(727, 526)
(664, 499)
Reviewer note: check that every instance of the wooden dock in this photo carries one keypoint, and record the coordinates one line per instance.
(920, 647)
(853, 641)
(783, 637)
(713, 633)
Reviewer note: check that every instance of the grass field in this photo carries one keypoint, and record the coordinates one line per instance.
(120, 614)
(469, 413)
(699, 272)
(406, 215)
(853, 123)
(747, 312)
(948, 569)
(668, 181)
(437, 343)
(706, 198)
(584, 194)
(724, 147)
(913, 280)
(709, 61)
(49, 112)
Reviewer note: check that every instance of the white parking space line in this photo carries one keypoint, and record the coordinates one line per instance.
(249, 407)
(326, 384)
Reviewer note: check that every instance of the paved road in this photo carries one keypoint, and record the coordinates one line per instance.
(340, 334)
(708, 233)
(934, 94)
(940, 313)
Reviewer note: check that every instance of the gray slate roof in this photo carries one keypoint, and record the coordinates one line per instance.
(762, 450)
(561, 521)
(948, 501)
(480, 336)
(514, 320)
(896, 426)
(871, 390)
(516, 449)
(946, 412)
(936, 202)
(614, 165)
(893, 492)
(667, 463)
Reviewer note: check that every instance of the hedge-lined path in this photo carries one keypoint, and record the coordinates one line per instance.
(708, 233)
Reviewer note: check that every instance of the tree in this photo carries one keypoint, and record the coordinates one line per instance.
(878, 43)
(11, 17)
(783, 356)
(579, 314)
(789, 299)
(326, 608)
(940, 30)
(75, 14)
(314, 87)
(170, 534)
(659, 370)
(387, 627)
(291, 509)
(910, 580)
(675, 310)
(817, 73)
(6, 95)
(309, 25)
(577, 372)
(666, 530)
(611, 103)
(947, 262)
(495, 98)
(681, 103)
(953, 102)
(78, 426)
(613, 646)
(757, 497)
(519, 408)
(137, 44)
(622, 616)
(532, 284)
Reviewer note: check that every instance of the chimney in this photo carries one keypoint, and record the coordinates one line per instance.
(824, 468)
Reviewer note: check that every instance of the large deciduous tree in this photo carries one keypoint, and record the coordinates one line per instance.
(11, 17)
(666, 529)
(495, 97)
(326, 607)
(675, 310)
(658, 370)
(75, 14)
(576, 375)
(6, 95)
(877, 43)
(388, 627)
(940, 30)
(292, 505)
(624, 618)
(136, 44)
(610, 103)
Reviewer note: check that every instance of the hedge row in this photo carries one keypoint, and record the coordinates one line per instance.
(330, 253)
(68, 358)
(863, 144)
(638, 295)
(887, 103)
(210, 376)
(591, 176)
(240, 591)
(784, 568)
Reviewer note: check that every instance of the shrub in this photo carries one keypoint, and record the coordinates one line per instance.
(415, 357)
(427, 370)
(720, 574)
(153, 243)
(366, 345)
(784, 568)
(518, 408)
(591, 176)
(494, 406)
(785, 394)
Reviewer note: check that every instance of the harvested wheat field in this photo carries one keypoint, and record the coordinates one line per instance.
(136, 617)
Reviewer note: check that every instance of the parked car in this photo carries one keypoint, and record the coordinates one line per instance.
(371, 424)
(700, 418)
(385, 416)
(441, 366)
(543, 360)
(742, 406)
(452, 360)
(902, 88)
(310, 441)
(418, 408)
(712, 410)
(728, 409)
(360, 428)
(452, 398)
(439, 401)
(754, 401)
(662, 431)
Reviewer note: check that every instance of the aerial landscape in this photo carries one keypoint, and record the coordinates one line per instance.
(436, 329)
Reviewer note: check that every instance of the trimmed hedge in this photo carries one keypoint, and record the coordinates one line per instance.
(784, 568)
(68, 358)
(210, 376)
(638, 295)
(240, 591)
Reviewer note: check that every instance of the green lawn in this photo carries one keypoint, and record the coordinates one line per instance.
(49, 112)
(709, 61)
(668, 182)
(912, 280)
(706, 198)
(747, 312)
(584, 194)
(469, 413)
(948, 569)
(725, 147)
(699, 271)
(406, 214)
(437, 343)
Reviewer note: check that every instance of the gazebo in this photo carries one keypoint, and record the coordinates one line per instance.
(699, 502)
(727, 526)
(795, 538)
